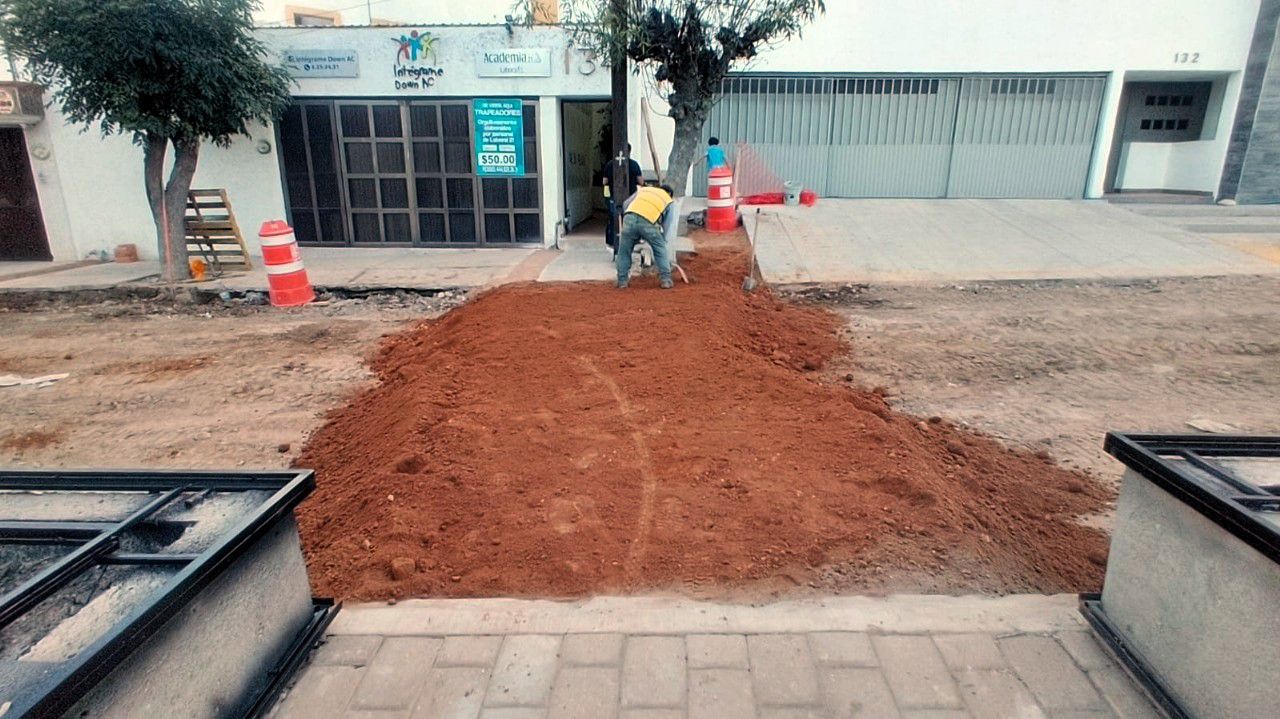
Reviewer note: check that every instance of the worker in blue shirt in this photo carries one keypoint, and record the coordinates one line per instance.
(715, 154)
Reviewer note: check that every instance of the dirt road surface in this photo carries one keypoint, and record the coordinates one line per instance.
(1053, 366)
(1048, 367)
(151, 385)
(571, 440)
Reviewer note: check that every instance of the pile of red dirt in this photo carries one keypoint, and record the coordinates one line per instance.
(569, 440)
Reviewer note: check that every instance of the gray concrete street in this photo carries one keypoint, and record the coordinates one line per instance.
(888, 241)
(648, 658)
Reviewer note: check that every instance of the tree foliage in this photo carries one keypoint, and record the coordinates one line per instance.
(688, 46)
(166, 72)
(179, 69)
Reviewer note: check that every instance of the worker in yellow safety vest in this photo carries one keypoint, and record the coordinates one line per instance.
(643, 218)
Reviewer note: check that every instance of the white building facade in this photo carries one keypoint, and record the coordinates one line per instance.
(490, 136)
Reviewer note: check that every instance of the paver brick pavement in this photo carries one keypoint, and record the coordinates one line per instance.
(916, 672)
(1049, 672)
(782, 669)
(845, 649)
(654, 672)
(524, 671)
(397, 673)
(585, 693)
(701, 665)
(452, 692)
(717, 651)
(592, 649)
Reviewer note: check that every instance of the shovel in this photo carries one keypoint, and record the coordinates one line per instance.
(749, 282)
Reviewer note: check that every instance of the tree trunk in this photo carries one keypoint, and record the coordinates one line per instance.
(684, 149)
(186, 154)
(154, 148)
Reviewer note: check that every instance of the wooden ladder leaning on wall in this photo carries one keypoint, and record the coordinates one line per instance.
(212, 232)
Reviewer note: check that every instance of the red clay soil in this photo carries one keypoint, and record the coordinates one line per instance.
(570, 440)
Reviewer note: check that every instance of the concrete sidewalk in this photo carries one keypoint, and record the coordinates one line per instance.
(650, 658)
(71, 276)
(581, 258)
(357, 268)
(392, 267)
(971, 240)
(588, 258)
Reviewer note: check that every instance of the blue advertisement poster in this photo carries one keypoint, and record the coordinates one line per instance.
(499, 127)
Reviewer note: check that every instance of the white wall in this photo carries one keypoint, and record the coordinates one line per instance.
(1183, 166)
(1117, 37)
(354, 12)
(91, 187)
(456, 51)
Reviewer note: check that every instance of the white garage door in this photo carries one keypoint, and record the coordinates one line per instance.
(916, 136)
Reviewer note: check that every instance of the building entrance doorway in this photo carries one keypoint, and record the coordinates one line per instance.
(22, 233)
(1162, 136)
(585, 127)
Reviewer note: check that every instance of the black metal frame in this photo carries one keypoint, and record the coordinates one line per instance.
(323, 612)
(98, 542)
(1237, 512)
(1128, 657)
(478, 210)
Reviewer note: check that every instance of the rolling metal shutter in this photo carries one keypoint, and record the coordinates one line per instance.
(787, 121)
(891, 137)
(915, 136)
(1024, 136)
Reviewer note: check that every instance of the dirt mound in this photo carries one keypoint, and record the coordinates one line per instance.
(571, 440)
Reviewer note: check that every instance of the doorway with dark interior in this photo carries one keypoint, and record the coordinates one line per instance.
(22, 233)
(585, 142)
(1164, 130)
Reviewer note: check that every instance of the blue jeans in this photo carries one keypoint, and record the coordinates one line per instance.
(634, 228)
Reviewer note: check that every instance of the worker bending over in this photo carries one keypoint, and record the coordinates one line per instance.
(644, 215)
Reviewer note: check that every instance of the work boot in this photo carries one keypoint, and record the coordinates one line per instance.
(622, 284)
(666, 283)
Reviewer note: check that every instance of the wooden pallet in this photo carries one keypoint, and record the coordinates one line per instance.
(212, 232)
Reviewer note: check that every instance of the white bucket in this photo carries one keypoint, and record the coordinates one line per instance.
(791, 193)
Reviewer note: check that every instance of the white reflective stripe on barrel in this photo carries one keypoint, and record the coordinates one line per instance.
(286, 268)
(276, 240)
(726, 202)
(719, 180)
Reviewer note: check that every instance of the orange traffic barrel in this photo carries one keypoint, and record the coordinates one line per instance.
(286, 277)
(722, 211)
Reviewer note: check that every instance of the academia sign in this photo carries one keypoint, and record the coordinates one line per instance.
(321, 63)
(514, 62)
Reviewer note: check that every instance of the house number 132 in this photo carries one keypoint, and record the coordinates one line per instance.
(1186, 58)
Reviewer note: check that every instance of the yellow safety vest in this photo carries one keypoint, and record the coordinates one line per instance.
(649, 203)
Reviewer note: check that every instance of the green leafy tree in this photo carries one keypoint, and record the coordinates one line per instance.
(688, 46)
(166, 72)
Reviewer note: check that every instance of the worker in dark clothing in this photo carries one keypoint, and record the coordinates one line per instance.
(634, 180)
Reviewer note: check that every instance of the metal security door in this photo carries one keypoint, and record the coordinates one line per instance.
(22, 234)
(376, 165)
(785, 120)
(397, 173)
(891, 136)
(1024, 136)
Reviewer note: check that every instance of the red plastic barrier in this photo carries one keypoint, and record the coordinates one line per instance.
(808, 198)
(764, 198)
